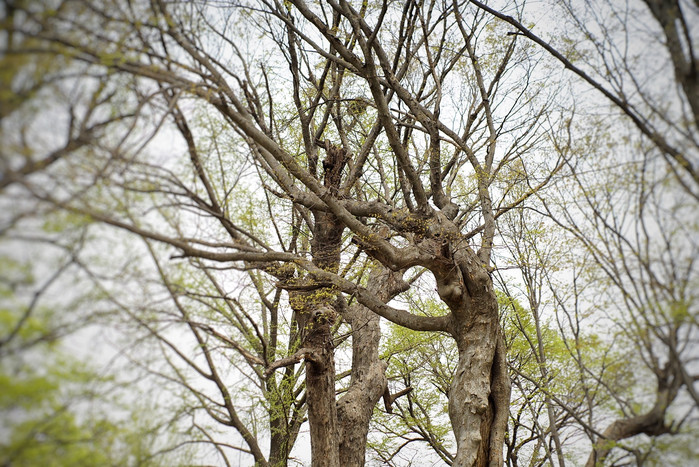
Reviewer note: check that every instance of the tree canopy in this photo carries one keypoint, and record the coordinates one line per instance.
(395, 233)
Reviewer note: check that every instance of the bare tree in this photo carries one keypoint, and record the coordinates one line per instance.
(382, 140)
(621, 50)
(647, 266)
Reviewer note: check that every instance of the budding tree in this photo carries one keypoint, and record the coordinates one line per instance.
(383, 140)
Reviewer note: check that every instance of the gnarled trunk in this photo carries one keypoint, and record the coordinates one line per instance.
(316, 312)
(480, 391)
(320, 391)
(368, 381)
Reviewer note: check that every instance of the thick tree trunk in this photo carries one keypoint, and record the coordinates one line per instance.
(317, 314)
(314, 307)
(355, 408)
(480, 390)
(320, 391)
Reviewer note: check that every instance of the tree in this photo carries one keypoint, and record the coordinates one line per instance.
(362, 162)
(361, 144)
(624, 52)
(638, 255)
(644, 270)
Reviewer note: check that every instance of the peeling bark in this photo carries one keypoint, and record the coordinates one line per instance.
(474, 405)
(480, 390)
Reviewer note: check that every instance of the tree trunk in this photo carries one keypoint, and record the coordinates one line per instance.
(320, 391)
(355, 408)
(316, 315)
(480, 391)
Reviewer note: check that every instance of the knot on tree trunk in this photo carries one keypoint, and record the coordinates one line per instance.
(333, 165)
(319, 324)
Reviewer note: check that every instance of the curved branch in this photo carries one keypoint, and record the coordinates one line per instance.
(654, 136)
